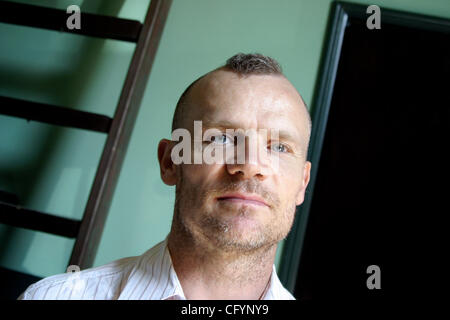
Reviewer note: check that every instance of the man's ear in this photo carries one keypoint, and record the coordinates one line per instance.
(166, 165)
(305, 181)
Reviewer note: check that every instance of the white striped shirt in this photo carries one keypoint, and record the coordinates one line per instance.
(150, 276)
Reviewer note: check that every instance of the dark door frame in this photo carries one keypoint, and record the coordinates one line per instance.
(341, 12)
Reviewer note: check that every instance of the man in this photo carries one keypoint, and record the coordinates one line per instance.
(229, 215)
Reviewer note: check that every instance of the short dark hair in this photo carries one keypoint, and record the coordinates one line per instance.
(253, 64)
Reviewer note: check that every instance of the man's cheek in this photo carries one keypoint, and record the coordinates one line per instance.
(198, 172)
(191, 176)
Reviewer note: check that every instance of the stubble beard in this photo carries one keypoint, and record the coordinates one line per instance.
(197, 224)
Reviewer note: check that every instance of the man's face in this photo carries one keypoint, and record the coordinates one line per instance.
(213, 202)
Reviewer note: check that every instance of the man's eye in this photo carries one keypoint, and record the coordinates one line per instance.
(221, 139)
(279, 147)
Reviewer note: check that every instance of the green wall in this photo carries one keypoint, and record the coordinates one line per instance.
(51, 169)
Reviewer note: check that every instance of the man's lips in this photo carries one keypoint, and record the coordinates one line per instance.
(243, 198)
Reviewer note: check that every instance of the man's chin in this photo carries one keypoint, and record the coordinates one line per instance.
(237, 245)
(237, 238)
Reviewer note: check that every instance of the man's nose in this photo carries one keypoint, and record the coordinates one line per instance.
(255, 165)
(247, 171)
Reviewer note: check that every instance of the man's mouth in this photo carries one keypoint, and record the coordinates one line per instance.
(244, 198)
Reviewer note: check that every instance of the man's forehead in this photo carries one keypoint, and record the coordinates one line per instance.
(222, 81)
(241, 102)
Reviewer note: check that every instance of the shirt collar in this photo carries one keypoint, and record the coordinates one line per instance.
(154, 278)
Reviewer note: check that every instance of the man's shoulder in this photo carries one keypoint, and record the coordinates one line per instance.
(277, 289)
(279, 292)
(286, 295)
(80, 284)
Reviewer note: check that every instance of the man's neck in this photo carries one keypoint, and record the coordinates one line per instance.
(206, 272)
